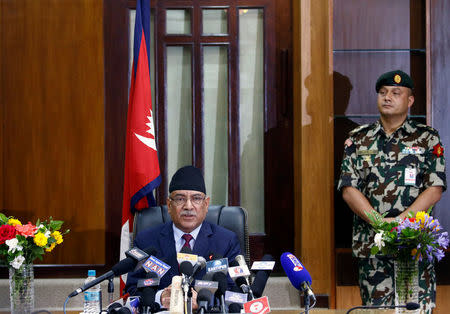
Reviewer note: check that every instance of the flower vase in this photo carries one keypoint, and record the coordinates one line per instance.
(21, 287)
(406, 284)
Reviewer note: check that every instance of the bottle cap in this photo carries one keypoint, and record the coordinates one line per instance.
(91, 273)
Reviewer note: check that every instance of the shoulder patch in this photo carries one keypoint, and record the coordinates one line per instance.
(359, 129)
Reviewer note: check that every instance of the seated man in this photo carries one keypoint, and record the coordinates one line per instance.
(187, 205)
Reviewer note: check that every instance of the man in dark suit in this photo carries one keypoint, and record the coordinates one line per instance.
(187, 205)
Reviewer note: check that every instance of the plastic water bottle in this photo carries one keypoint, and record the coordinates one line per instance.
(92, 296)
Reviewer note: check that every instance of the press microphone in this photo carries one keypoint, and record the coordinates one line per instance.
(241, 281)
(176, 296)
(221, 279)
(147, 289)
(261, 277)
(203, 298)
(201, 263)
(409, 306)
(131, 306)
(297, 273)
(126, 265)
(235, 308)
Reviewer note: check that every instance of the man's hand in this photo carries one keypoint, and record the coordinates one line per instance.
(389, 219)
(165, 297)
(194, 299)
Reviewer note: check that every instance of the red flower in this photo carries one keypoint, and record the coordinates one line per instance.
(412, 219)
(395, 228)
(27, 230)
(7, 232)
(438, 150)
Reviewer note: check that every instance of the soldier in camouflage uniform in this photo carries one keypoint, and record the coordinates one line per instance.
(394, 166)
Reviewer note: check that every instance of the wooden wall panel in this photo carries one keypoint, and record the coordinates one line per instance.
(355, 22)
(313, 142)
(53, 120)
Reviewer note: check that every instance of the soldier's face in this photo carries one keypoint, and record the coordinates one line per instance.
(394, 100)
(187, 209)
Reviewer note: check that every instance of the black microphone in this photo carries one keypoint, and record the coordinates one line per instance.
(147, 289)
(235, 308)
(126, 265)
(221, 279)
(203, 298)
(201, 263)
(261, 277)
(409, 306)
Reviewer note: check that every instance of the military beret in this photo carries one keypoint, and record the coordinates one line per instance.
(187, 178)
(394, 78)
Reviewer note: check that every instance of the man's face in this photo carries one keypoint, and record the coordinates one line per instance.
(394, 100)
(187, 208)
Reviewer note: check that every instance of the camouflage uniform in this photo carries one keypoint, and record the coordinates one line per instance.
(375, 164)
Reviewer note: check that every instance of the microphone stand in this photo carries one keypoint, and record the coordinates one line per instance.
(408, 306)
(306, 299)
(110, 290)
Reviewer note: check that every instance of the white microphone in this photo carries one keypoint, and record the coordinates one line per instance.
(176, 296)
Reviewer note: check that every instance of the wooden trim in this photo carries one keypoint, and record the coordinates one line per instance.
(313, 142)
(428, 68)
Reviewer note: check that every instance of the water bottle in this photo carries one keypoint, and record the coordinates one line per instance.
(92, 296)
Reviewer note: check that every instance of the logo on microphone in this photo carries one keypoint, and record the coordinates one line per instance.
(297, 265)
(152, 264)
(257, 306)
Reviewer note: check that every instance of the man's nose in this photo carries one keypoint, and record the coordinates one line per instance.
(188, 203)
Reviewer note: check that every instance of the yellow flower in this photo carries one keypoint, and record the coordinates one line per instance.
(40, 239)
(14, 222)
(58, 237)
(52, 246)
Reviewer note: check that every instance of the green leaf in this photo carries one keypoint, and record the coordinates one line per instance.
(3, 219)
(55, 224)
(374, 250)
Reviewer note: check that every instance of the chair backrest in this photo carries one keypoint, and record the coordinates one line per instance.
(233, 218)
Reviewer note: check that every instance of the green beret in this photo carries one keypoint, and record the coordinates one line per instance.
(394, 78)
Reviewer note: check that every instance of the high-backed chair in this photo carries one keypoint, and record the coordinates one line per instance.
(233, 218)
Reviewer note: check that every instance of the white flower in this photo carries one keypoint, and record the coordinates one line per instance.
(13, 245)
(379, 240)
(47, 233)
(17, 262)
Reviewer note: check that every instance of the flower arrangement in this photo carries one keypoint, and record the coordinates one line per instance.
(22, 244)
(416, 237)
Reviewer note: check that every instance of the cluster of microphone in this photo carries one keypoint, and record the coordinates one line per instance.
(214, 293)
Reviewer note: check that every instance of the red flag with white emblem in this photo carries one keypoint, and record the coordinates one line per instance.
(142, 173)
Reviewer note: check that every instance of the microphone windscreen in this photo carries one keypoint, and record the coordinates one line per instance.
(234, 308)
(204, 295)
(240, 281)
(124, 266)
(412, 306)
(127, 264)
(221, 278)
(233, 263)
(186, 268)
(294, 270)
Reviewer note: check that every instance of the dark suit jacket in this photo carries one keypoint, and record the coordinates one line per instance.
(211, 239)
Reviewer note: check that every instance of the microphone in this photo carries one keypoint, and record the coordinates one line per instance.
(409, 306)
(147, 289)
(221, 279)
(297, 274)
(203, 298)
(131, 306)
(235, 308)
(176, 296)
(242, 281)
(126, 265)
(261, 277)
(201, 263)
